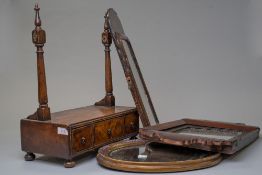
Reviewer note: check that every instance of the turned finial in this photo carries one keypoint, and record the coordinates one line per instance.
(106, 35)
(38, 34)
(37, 16)
(106, 25)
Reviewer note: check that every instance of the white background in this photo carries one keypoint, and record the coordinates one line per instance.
(200, 59)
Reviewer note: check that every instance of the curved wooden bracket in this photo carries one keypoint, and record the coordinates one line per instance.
(109, 99)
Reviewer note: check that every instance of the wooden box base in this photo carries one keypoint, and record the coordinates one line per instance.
(74, 132)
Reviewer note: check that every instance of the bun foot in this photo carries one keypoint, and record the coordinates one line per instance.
(69, 164)
(29, 156)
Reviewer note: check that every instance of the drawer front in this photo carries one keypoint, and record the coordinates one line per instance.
(82, 138)
(108, 129)
(131, 123)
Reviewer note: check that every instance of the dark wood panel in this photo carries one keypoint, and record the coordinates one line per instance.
(109, 129)
(131, 123)
(82, 138)
(42, 137)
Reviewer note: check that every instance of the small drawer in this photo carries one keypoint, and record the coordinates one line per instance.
(82, 138)
(108, 129)
(131, 123)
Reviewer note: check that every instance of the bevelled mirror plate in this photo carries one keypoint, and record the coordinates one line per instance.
(132, 71)
(139, 156)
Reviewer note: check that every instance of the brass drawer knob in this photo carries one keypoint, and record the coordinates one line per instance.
(109, 132)
(83, 141)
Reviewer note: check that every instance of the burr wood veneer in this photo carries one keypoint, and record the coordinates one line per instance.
(71, 133)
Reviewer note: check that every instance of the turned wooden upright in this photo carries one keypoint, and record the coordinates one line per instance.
(39, 39)
(109, 99)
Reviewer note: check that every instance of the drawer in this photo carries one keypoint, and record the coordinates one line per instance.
(108, 129)
(131, 123)
(82, 138)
